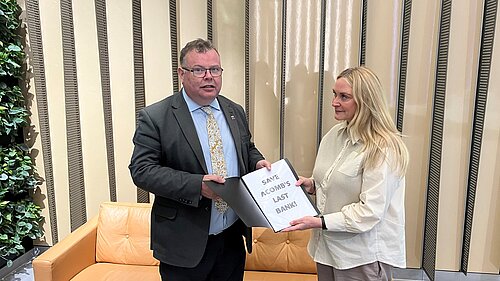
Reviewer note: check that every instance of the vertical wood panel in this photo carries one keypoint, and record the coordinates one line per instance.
(91, 107)
(321, 71)
(77, 207)
(383, 46)
(417, 120)
(484, 254)
(76, 180)
(43, 161)
(210, 21)
(121, 70)
(462, 71)
(362, 41)
(174, 42)
(342, 39)
(403, 65)
(158, 71)
(247, 59)
(102, 37)
(481, 92)
(192, 20)
(51, 33)
(434, 175)
(139, 88)
(265, 42)
(300, 84)
(229, 38)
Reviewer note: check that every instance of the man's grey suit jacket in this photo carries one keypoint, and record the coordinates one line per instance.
(168, 162)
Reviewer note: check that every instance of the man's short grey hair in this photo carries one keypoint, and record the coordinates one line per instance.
(199, 45)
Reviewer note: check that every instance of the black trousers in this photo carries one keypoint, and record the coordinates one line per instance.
(224, 259)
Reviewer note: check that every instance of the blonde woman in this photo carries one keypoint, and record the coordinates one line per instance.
(359, 182)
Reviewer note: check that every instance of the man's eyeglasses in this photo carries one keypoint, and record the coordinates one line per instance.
(200, 72)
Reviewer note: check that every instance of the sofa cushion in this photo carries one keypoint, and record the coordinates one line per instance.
(283, 251)
(278, 276)
(123, 234)
(122, 272)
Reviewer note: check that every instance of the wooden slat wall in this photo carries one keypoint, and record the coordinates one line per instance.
(106, 75)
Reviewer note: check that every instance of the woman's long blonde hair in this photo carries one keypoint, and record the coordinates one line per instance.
(372, 121)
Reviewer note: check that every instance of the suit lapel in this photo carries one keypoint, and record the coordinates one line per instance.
(183, 116)
(228, 111)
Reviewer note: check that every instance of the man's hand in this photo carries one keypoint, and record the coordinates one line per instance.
(206, 191)
(262, 164)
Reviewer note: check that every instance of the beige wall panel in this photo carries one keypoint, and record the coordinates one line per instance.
(121, 70)
(265, 81)
(35, 144)
(157, 51)
(40, 195)
(383, 36)
(342, 39)
(301, 88)
(95, 164)
(191, 20)
(229, 38)
(52, 45)
(485, 243)
(417, 120)
(460, 89)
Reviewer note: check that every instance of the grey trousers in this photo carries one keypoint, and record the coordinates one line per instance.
(376, 271)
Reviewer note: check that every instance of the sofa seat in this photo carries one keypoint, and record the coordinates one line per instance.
(278, 276)
(110, 271)
(279, 256)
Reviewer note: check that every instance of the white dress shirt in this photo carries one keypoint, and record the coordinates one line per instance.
(363, 208)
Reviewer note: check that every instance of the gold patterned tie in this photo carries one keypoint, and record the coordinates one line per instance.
(216, 153)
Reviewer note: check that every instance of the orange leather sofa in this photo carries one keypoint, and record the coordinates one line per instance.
(114, 245)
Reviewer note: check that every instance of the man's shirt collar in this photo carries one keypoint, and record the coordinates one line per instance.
(192, 105)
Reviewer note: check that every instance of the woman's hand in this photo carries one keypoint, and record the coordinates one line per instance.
(304, 223)
(308, 184)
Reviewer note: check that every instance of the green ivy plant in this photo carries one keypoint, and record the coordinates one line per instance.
(20, 217)
(13, 114)
(19, 220)
(16, 171)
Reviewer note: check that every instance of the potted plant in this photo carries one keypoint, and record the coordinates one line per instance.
(20, 217)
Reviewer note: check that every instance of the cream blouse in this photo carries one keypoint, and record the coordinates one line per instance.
(363, 209)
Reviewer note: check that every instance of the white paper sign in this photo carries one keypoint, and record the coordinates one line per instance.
(277, 196)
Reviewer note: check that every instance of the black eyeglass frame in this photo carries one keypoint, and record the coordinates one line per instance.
(211, 69)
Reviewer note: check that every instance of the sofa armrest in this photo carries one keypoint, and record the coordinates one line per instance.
(69, 256)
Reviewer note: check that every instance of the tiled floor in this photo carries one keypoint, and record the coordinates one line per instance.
(21, 270)
(24, 272)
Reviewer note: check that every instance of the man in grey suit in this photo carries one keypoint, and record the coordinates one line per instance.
(193, 238)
